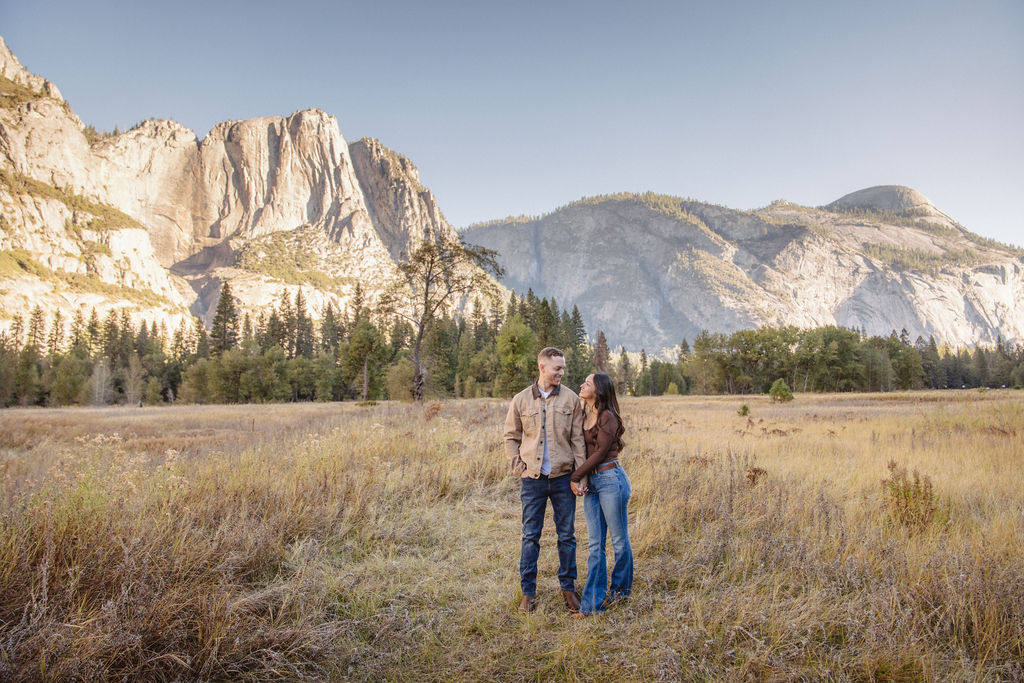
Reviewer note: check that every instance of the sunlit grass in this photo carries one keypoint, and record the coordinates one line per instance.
(334, 541)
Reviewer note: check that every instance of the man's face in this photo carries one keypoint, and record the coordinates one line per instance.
(551, 370)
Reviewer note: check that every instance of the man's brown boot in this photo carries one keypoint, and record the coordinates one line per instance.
(572, 601)
(528, 604)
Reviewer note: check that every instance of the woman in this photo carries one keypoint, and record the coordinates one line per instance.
(607, 495)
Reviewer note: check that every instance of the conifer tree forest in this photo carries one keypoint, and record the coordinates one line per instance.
(362, 354)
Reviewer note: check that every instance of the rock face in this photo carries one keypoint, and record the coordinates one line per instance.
(651, 270)
(187, 209)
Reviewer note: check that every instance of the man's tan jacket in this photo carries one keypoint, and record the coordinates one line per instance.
(529, 411)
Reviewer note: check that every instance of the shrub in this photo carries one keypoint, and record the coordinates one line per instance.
(913, 505)
(780, 392)
(744, 410)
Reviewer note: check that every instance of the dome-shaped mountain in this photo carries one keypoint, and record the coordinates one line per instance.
(895, 198)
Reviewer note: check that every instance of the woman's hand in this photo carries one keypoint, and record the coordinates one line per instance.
(576, 488)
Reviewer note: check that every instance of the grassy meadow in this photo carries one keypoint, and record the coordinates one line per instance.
(345, 542)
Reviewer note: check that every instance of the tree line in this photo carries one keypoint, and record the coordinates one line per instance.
(363, 353)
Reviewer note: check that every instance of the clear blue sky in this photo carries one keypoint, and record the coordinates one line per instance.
(519, 107)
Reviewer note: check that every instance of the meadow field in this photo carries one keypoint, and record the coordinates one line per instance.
(860, 537)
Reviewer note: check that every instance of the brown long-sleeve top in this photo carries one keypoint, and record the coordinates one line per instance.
(602, 444)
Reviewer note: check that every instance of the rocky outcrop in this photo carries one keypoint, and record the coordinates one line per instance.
(404, 212)
(651, 270)
(12, 70)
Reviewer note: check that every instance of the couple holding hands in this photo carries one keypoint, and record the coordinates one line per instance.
(563, 446)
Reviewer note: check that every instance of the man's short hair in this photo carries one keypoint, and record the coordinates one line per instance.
(549, 352)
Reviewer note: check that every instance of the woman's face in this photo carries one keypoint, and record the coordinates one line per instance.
(587, 388)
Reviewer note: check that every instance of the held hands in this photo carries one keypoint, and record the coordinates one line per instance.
(577, 489)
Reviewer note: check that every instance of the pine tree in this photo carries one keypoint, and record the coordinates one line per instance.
(624, 374)
(512, 309)
(684, 350)
(125, 339)
(93, 333)
(330, 333)
(224, 331)
(602, 354)
(202, 341)
(78, 335)
(358, 304)
(55, 341)
(304, 341)
(15, 332)
(110, 336)
(36, 331)
(287, 316)
(247, 334)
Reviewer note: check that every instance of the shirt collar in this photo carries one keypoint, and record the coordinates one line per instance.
(537, 394)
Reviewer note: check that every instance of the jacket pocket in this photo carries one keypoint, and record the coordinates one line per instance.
(531, 423)
(518, 467)
(563, 420)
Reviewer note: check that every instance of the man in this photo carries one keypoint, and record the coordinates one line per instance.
(544, 444)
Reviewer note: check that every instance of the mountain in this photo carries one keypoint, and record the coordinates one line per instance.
(650, 270)
(153, 219)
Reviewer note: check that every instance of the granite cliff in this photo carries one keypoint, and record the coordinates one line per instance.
(154, 218)
(650, 270)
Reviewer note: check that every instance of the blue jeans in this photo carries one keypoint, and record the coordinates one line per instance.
(605, 507)
(534, 495)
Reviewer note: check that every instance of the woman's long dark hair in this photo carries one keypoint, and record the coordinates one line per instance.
(604, 399)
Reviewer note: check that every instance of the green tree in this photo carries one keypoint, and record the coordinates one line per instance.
(331, 331)
(154, 392)
(780, 392)
(399, 380)
(625, 375)
(70, 377)
(55, 340)
(516, 357)
(224, 331)
(36, 331)
(304, 341)
(577, 357)
(329, 384)
(367, 351)
(602, 354)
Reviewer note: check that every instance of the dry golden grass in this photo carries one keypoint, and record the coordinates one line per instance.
(366, 542)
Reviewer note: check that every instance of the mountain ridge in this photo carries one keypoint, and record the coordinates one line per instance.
(863, 265)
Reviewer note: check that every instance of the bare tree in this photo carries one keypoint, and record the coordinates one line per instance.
(434, 278)
(133, 380)
(99, 383)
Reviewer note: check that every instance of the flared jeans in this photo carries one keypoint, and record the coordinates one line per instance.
(605, 507)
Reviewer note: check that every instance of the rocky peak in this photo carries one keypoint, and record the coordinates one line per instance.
(12, 70)
(404, 212)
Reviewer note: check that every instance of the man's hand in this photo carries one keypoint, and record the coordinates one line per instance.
(576, 488)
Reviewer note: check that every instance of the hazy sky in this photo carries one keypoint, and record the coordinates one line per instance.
(514, 108)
